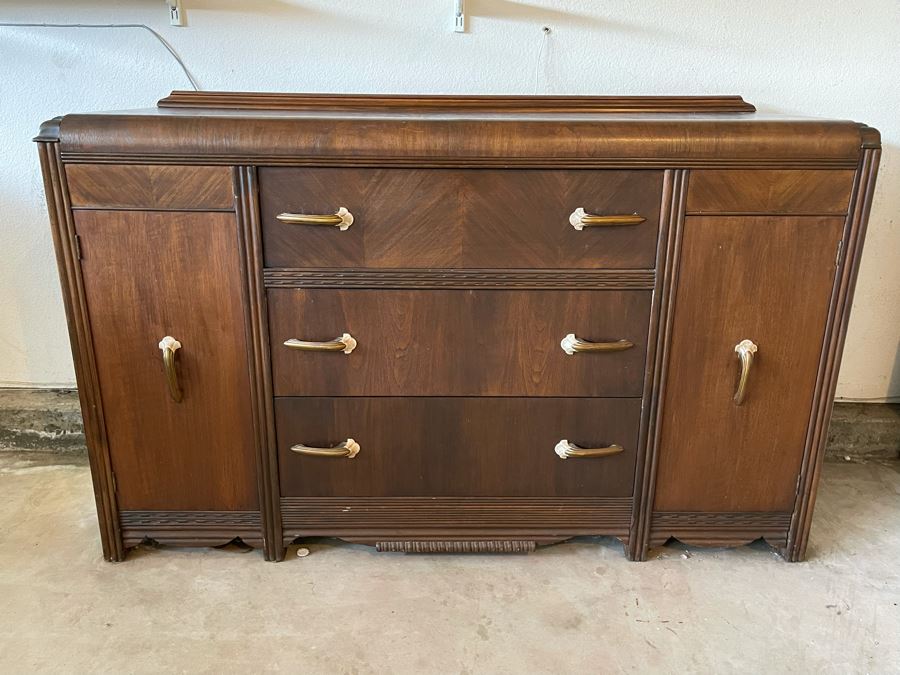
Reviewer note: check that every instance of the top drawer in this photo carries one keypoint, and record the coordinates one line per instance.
(449, 218)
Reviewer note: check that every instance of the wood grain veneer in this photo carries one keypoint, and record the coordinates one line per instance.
(456, 447)
(195, 454)
(150, 187)
(459, 277)
(775, 191)
(750, 454)
(459, 219)
(457, 343)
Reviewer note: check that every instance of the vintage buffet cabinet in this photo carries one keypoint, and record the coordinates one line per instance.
(473, 323)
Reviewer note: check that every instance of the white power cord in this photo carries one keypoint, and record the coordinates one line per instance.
(142, 26)
(545, 33)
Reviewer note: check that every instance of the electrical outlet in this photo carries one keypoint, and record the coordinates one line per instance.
(176, 13)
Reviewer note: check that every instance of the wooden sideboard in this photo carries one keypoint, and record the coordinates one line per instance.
(459, 324)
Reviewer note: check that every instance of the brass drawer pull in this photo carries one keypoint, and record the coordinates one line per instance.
(169, 346)
(565, 450)
(342, 219)
(581, 220)
(348, 449)
(572, 345)
(745, 350)
(346, 343)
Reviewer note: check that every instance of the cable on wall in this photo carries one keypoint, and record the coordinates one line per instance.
(165, 43)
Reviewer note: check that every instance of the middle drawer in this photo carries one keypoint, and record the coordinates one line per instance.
(458, 342)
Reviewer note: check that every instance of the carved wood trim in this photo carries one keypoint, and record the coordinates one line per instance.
(144, 519)
(458, 278)
(453, 103)
(470, 546)
(63, 229)
(771, 520)
(246, 194)
(832, 348)
(720, 529)
(191, 528)
(385, 518)
(671, 223)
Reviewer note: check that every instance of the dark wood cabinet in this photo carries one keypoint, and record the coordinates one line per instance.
(456, 323)
(148, 276)
(774, 291)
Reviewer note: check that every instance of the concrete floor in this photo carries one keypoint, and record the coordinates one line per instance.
(573, 608)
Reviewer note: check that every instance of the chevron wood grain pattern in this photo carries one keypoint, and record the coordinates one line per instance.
(457, 446)
(458, 343)
(465, 219)
(152, 187)
(769, 191)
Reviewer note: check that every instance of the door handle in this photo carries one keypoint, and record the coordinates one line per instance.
(573, 345)
(169, 346)
(341, 219)
(565, 449)
(345, 343)
(348, 449)
(580, 220)
(745, 350)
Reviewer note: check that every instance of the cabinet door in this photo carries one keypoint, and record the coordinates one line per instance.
(764, 279)
(148, 275)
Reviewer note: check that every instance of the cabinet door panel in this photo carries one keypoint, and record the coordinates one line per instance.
(768, 280)
(148, 275)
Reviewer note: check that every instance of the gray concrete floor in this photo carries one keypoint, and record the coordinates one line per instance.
(578, 607)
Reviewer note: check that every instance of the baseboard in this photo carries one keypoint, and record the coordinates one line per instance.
(41, 420)
(49, 420)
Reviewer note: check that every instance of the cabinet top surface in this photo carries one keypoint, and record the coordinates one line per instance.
(227, 127)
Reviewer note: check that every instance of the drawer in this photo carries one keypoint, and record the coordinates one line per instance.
(442, 218)
(452, 447)
(458, 342)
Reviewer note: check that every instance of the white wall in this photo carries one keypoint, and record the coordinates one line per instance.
(819, 58)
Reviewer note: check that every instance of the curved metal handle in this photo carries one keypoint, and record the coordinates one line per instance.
(348, 449)
(169, 346)
(580, 220)
(572, 345)
(342, 219)
(745, 350)
(346, 343)
(565, 450)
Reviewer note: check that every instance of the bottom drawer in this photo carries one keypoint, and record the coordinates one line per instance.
(456, 447)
